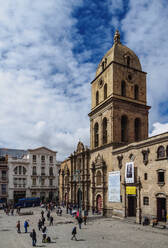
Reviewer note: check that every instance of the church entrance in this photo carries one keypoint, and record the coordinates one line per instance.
(131, 206)
(161, 209)
(99, 203)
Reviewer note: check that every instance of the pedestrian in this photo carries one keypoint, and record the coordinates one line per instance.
(26, 225)
(51, 221)
(85, 219)
(12, 211)
(42, 214)
(48, 215)
(74, 232)
(33, 236)
(43, 221)
(40, 224)
(18, 226)
(44, 234)
(80, 222)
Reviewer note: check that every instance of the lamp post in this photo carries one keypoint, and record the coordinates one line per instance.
(77, 175)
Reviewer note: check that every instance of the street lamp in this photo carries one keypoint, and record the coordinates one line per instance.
(77, 175)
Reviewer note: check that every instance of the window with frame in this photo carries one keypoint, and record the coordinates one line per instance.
(34, 170)
(124, 128)
(20, 170)
(96, 135)
(161, 177)
(161, 152)
(136, 92)
(146, 200)
(4, 175)
(42, 182)
(42, 158)
(123, 88)
(137, 129)
(16, 170)
(51, 182)
(34, 181)
(43, 171)
(105, 91)
(51, 171)
(51, 159)
(3, 189)
(145, 176)
(24, 170)
(104, 130)
(34, 158)
(98, 178)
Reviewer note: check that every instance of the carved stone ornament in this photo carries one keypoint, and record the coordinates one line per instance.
(145, 154)
(120, 158)
(101, 82)
(117, 37)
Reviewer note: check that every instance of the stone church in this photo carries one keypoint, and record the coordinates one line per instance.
(124, 172)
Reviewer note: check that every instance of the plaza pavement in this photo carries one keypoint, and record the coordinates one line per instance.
(98, 233)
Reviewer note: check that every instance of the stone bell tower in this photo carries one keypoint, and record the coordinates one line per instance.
(119, 111)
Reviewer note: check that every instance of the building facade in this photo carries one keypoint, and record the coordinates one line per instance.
(127, 173)
(3, 179)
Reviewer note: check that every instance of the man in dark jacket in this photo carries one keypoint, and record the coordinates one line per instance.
(33, 236)
(74, 232)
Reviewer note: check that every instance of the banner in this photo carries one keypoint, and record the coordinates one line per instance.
(129, 172)
(114, 186)
(130, 190)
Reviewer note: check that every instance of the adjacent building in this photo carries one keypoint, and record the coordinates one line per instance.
(3, 179)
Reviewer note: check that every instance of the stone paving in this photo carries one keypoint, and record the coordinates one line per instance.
(99, 232)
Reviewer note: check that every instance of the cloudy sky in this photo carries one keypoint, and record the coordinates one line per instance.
(49, 51)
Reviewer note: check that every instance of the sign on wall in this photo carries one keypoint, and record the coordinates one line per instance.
(114, 186)
(130, 190)
(129, 172)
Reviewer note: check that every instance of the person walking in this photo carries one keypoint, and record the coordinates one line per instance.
(18, 226)
(80, 222)
(51, 221)
(74, 232)
(40, 224)
(43, 221)
(33, 236)
(26, 225)
(44, 234)
(42, 214)
(48, 215)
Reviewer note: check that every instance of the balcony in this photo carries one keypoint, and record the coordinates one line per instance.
(34, 173)
(19, 185)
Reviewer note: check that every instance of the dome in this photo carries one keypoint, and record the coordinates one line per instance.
(119, 54)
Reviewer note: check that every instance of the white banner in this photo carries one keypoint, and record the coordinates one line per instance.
(114, 186)
(129, 172)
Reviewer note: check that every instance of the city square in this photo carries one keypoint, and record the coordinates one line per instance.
(98, 232)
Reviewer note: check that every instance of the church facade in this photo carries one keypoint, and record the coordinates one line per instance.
(124, 173)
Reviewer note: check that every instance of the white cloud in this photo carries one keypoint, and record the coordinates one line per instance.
(44, 88)
(159, 128)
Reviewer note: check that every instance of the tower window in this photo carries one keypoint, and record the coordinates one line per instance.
(103, 65)
(97, 97)
(123, 88)
(146, 200)
(128, 60)
(105, 91)
(124, 128)
(136, 92)
(137, 128)
(104, 130)
(96, 135)
(145, 176)
(160, 176)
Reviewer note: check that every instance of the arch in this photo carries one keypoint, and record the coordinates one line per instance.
(123, 88)
(160, 152)
(167, 151)
(137, 129)
(98, 178)
(124, 128)
(104, 130)
(51, 171)
(97, 97)
(136, 92)
(99, 203)
(128, 60)
(96, 134)
(105, 91)
(20, 170)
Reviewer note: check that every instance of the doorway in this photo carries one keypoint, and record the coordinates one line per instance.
(131, 206)
(161, 209)
(99, 203)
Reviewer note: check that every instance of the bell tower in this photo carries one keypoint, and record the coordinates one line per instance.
(119, 111)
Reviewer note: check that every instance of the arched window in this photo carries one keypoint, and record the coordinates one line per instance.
(167, 151)
(128, 60)
(161, 152)
(123, 88)
(124, 128)
(137, 129)
(24, 171)
(97, 97)
(104, 130)
(103, 65)
(105, 91)
(66, 181)
(42, 159)
(98, 178)
(51, 171)
(96, 135)
(136, 92)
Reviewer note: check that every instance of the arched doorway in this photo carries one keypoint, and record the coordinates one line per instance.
(99, 203)
(161, 208)
(79, 198)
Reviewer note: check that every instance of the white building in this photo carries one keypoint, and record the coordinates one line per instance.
(33, 175)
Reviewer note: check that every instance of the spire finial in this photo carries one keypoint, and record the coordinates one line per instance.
(117, 37)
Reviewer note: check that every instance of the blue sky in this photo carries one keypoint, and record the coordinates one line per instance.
(49, 51)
